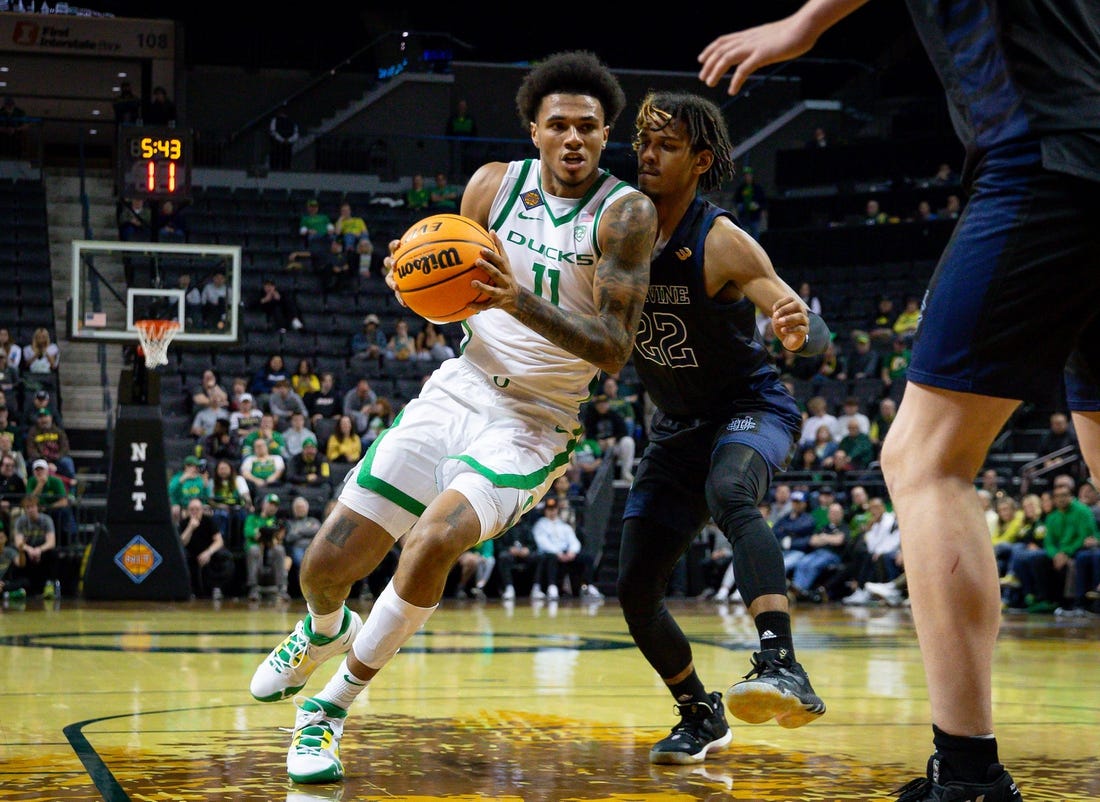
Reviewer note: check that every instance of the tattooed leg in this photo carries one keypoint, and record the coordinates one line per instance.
(346, 549)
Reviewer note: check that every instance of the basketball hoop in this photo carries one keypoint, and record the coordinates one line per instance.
(154, 336)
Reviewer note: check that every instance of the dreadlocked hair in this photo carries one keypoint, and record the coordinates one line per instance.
(703, 124)
(575, 72)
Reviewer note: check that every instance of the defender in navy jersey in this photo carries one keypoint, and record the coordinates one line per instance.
(724, 424)
(1013, 303)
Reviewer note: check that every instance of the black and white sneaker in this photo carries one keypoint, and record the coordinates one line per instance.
(998, 787)
(702, 728)
(777, 687)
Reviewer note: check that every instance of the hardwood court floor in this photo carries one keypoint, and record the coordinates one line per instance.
(132, 701)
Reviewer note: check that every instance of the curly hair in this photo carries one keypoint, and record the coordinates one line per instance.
(703, 123)
(575, 72)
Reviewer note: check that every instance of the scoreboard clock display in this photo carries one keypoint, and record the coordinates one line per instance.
(154, 163)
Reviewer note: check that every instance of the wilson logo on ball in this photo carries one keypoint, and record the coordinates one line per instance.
(437, 260)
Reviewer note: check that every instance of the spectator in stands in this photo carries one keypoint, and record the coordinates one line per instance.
(817, 410)
(334, 271)
(301, 528)
(905, 325)
(381, 417)
(325, 401)
(1044, 573)
(856, 445)
(863, 361)
(991, 482)
(751, 204)
(279, 306)
(42, 400)
(344, 444)
(41, 355)
(813, 303)
(127, 105)
(944, 177)
(263, 470)
(585, 460)
(266, 560)
(883, 541)
(192, 300)
(830, 368)
(850, 410)
(36, 539)
(53, 498)
(819, 139)
(265, 431)
(823, 446)
(13, 485)
(357, 404)
(185, 485)
(1086, 564)
(316, 230)
(780, 502)
(824, 548)
(238, 387)
(208, 384)
(444, 195)
(350, 231)
(13, 125)
(135, 221)
(263, 381)
(461, 124)
(230, 501)
(1059, 435)
(887, 412)
(160, 109)
(370, 341)
(402, 344)
(222, 443)
(1030, 538)
(217, 408)
(797, 525)
(47, 441)
(627, 406)
(610, 431)
(304, 381)
(718, 558)
(171, 222)
(295, 435)
(310, 469)
(472, 583)
(873, 214)
(952, 208)
(209, 562)
(11, 353)
(881, 325)
(283, 133)
(12, 427)
(431, 343)
(284, 402)
(418, 197)
(1005, 530)
(924, 213)
(515, 548)
(215, 300)
(561, 552)
(247, 417)
(896, 364)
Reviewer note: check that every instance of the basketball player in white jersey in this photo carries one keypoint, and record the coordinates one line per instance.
(493, 428)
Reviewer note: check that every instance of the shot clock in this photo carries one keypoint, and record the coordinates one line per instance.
(154, 163)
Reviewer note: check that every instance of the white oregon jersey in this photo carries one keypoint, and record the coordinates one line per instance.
(551, 246)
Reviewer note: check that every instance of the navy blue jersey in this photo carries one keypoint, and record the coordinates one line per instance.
(1019, 70)
(698, 358)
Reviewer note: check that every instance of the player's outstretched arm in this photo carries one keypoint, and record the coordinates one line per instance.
(771, 43)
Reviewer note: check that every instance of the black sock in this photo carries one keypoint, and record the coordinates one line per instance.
(689, 690)
(774, 629)
(963, 758)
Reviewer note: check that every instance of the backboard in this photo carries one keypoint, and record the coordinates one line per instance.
(116, 283)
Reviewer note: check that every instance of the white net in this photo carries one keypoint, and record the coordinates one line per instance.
(154, 336)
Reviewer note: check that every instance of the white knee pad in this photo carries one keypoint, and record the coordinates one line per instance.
(391, 622)
(497, 507)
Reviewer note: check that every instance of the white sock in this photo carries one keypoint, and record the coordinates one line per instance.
(327, 624)
(344, 686)
(391, 622)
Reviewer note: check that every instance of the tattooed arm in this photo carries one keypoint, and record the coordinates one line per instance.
(627, 232)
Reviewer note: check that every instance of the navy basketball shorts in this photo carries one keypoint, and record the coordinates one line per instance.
(1017, 290)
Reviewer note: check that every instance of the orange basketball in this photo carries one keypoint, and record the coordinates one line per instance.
(435, 263)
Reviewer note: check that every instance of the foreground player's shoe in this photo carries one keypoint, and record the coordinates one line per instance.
(777, 687)
(702, 728)
(314, 754)
(998, 787)
(286, 670)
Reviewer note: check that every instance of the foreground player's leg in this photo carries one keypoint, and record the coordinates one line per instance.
(931, 455)
(347, 548)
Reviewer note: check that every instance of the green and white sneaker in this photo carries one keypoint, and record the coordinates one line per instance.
(314, 754)
(286, 670)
